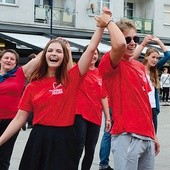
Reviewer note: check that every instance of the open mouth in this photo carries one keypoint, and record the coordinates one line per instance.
(53, 60)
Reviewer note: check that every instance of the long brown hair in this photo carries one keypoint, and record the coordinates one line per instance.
(154, 74)
(61, 73)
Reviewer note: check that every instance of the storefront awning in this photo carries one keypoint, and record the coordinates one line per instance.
(38, 42)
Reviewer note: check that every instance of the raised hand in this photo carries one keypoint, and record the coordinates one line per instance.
(147, 39)
(104, 18)
(155, 39)
(107, 11)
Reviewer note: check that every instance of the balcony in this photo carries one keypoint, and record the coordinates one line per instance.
(143, 25)
(42, 14)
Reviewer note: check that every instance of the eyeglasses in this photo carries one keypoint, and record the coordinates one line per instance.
(129, 39)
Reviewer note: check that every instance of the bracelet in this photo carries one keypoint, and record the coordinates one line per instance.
(109, 120)
(109, 22)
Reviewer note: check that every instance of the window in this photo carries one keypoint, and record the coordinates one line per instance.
(8, 2)
(166, 14)
(37, 2)
(105, 2)
(42, 2)
(129, 10)
(95, 6)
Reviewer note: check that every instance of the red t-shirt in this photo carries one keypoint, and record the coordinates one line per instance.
(90, 93)
(128, 89)
(52, 103)
(10, 93)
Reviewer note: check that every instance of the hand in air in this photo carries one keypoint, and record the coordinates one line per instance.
(104, 17)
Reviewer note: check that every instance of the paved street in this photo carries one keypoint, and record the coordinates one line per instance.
(162, 160)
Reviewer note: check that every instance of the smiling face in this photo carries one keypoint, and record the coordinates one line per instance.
(8, 62)
(54, 55)
(131, 34)
(129, 31)
(95, 57)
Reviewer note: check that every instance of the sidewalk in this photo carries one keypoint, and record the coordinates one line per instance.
(162, 160)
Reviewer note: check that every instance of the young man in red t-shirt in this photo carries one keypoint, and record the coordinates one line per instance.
(134, 143)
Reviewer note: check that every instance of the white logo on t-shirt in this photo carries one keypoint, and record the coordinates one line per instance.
(56, 89)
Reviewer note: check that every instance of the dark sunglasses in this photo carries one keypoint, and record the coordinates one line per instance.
(129, 39)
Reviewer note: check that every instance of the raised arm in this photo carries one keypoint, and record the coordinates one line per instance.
(151, 38)
(70, 63)
(160, 43)
(166, 56)
(118, 43)
(87, 56)
(31, 65)
(139, 49)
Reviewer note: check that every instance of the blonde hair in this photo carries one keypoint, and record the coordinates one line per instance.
(126, 24)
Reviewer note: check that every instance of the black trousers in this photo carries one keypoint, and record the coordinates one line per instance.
(165, 96)
(87, 136)
(7, 148)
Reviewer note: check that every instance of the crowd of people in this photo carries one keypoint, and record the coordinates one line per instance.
(76, 95)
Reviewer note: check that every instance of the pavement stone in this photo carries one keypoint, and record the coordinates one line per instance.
(162, 160)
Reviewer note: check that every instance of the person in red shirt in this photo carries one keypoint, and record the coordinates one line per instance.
(12, 82)
(91, 99)
(51, 95)
(134, 143)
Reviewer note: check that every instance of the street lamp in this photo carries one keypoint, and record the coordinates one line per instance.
(51, 21)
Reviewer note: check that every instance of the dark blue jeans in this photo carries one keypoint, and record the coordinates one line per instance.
(155, 118)
(7, 148)
(87, 136)
(105, 150)
(105, 147)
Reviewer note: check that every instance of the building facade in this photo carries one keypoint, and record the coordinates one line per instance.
(41, 20)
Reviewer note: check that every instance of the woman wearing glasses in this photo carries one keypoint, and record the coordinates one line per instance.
(152, 65)
(134, 144)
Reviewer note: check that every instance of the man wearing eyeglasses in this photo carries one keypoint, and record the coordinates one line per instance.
(134, 143)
